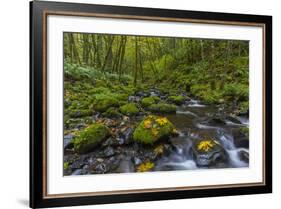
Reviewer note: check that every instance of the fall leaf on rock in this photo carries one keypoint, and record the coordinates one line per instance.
(162, 121)
(175, 131)
(145, 167)
(159, 149)
(205, 145)
(147, 123)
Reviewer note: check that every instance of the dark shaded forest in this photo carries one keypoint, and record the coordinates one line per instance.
(122, 92)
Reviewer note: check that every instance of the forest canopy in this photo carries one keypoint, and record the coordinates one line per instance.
(215, 71)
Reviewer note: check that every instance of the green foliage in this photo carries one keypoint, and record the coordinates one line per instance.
(166, 62)
(152, 129)
(129, 109)
(238, 92)
(66, 165)
(163, 108)
(78, 73)
(214, 71)
(87, 139)
(99, 90)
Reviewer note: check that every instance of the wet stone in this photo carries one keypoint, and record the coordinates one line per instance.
(77, 172)
(126, 135)
(108, 152)
(215, 121)
(244, 156)
(67, 139)
(134, 98)
(125, 166)
(137, 161)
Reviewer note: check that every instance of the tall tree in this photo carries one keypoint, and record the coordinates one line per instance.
(109, 51)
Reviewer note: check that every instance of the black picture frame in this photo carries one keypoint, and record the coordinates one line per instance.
(38, 12)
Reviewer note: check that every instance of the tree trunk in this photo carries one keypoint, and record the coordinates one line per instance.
(136, 61)
(107, 54)
(122, 56)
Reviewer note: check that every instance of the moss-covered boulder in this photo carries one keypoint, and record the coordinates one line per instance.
(103, 101)
(147, 101)
(87, 139)
(129, 109)
(79, 113)
(153, 128)
(120, 96)
(112, 113)
(163, 108)
(179, 99)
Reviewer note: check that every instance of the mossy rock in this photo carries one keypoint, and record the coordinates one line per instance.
(147, 101)
(128, 89)
(163, 108)
(120, 96)
(129, 109)
(112, 113)
(176, 99)
(79, 113)
(152, 129)
(87, 139)
(103, 101)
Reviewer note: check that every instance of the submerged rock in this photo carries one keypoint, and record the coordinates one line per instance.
(233, 119)
(241, 137)
(214, 121)
(90, 137)
(244, 156)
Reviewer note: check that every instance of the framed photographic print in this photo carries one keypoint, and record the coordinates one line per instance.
(139, 104)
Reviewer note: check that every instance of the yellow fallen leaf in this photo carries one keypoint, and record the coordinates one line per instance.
(145, 167)
(205, 145)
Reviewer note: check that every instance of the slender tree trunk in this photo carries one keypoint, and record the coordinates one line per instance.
(99, 50)
(107, 54)
(75, 53)
(122, 56)
(140, 62)
(117, 56)
(202, 49)
(136, 61)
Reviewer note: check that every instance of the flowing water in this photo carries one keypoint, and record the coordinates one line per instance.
(189, 120)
